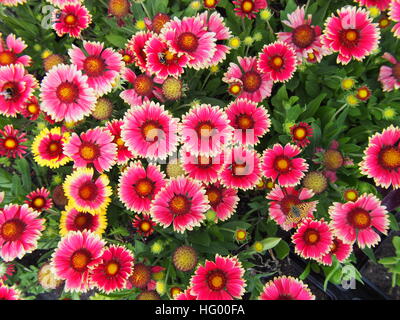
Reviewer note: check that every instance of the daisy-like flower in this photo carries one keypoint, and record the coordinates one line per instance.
(382, 158)
(63, 3)
(190, 37)
(382, 5)
(101, 65)
(300, 133)
(282, 164)
(181, 203)
(394, 15)
(161, 61)
(150, 131)
(390, 76)
(127, 55)
(351, 33)
(119, 9)
(11, 50)
(20, 229)
(202, 168)
(137, 45)
(31, 109)
(286, 288)
(16, 86)
(143, 224)
(241, 169)
(315, 181)
(75, 220)
(93, 147)
(76, 253)
(313, 239)
(278, 60)
(283, 200)
(205, 130)
(71, 19)
(223, 200)
(157, 22)
(7, 293)
(138, 186)
(141, 277)
(359, 220)
(11, 142)
(39, 199)
(123, 154)
(363, 93)
(113, 271)
(339, 249)
(210, 4)
(219, 280)
(304, 37)
(66, 95)
(12, 3)
(86, 193)
(215, 23)
(249, 8)
(6, 270)
(246, 81)
(48, 147)
(249, 121)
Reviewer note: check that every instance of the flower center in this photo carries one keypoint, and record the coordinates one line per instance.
(311, 236)
(210, 3)
(300, 133)
(88, 191)
(188, 42)
(359, 218)
(235, 89)
(12, 230)
(334, 246)
(288, 202)
(251, 81)
(214, 196)
(120, 143)
(80, 259)
(70, 20)
(112, 268)
(127, 58)
(145, 226)
(216, 280)
(179, 205)
(67, 92)
(89, 151)
(282, 164)
(396, 71)
(33, 108)
(363, 93)
(144, 187)
(303, 36)
(333, 159)
(54, 149)
(141, 275)
(205, 129)
(349, 38)
(389, 158)
(350, 195)
(38, 202)
(168, 57)
(93, 66)
(10, 143)
(83, 221)
(143, 85)
(244, 121)
(285, 296)
(247, 6)
(241, 235)
(7, 57)
(10, 91)
(119, 8)
(150, 130)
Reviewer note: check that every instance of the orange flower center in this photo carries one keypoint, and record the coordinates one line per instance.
(205, 130)
(38, 202)
(70, 19)
(141, 275)
(89, 151)
(145, 226)
(112, 268)
(311, 236)
(349, 38)
(282, 164)
(10, 143)
(33, 108)
(127, 58)
(235, 89)
(384, 22)
(159, 20)
(12, 229)
(359, 218)
(239, 169)
(188, 42)
(216, 280)
(143, 85)
(7, 57)
(144, 187)
(251, 81)
(351, 195)
(67, 92)
(119, 8)
(83, 221)
(120, 142)
(88, 191)
(300, 133)
(244, 121)
(179, 205)
(247, 6)
(303, 36)
(389, 158)
(214, 196)
(93, 66)
(80, 259)
(210, 3)
(150, 130)
(241, 235)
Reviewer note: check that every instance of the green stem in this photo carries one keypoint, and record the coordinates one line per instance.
(145, 10)
(205, 81)
(338, 111)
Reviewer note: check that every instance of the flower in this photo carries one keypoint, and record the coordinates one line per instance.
(11, 50)
(65, 94)
(339, 249)
(381, 159)
(202, 168)
(190, 37)
(241, 169)
(283, 200)
(304, 37)
(76, 253)
(363, 93)
(113, 271)
(315, 181)
(280, 163)
(7, 293)
(219, 280)
(38, 200)
(223, 200)
(31, 109)
(71, 19)
(300, 133)
(92, 147)
(390, 76)
(11, 142)
(394, 15)
(86, 193)
(348, 83)
(158, 22)
(101, 65)
(358, 220)
(103, 109)
(182, 204)
(48, 147)
(350, 195)
(52, 60)
(137, 45)
(389, 113)
(20, 229)
(141, 277)
(186, 295)
(12, 3)
(123, 154)
(252, 84)
(127, 56)
(278, 60)
(138, 186)
(184, 258)
(205, 130)
(143, 224)
(75, 220)
(172, 89)
(352, 34)
(63, 3)
(380, 4)
(150, 131)
(6, 270)
(46, 277)
(249, 8)
(249, 121)
(16, 86)
(286, 288)
(119, 9)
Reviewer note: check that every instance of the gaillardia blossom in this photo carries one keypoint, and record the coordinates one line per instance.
(202, 168)
(31, 109)
(300, 133)
(380, 4)
(123, 153)
(338, 249)
(390, 76)
(39, 199)
(143, 224)
(11, 142)
(394, 15)
(7, 293)
(249, 8)
(71, 20)
(286, 288)
(223, 200)
(11, 49)
(137, 44)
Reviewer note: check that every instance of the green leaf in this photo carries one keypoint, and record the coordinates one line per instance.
(200, 237)
(270, 243)
(116, 40)
(388, 260)
(306, 272)
(282, 250)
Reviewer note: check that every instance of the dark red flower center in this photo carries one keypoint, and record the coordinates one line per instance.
(244, 121)
(216, 280)
(54, 149)
(143, 85)
(144, 187)
(12, 230)
(80, 259)
(179, 205)
(7, 57)
(251, 81)
(83, 221)
(188, 41)
(359, 218)
(214, 195)
(67, 92)
(88, 191)
(94, 66)
(389, 158)
(350, 37)
(10, 91)
(303, 36)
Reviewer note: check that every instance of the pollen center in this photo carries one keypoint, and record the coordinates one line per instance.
(359, 218)
(214, 196)
(390, 158)
(235, 89)
(144, 187)
(145, 226)
(88, 191)
(10, 143)
(80, 259)
(112, 268)
(333, 159)
(282, 164)
(83, 221)
(143, 85)
(179, 205)
(7, 57)
(247, 6)
(311, 236)
(150, 131)
(300, 133)
(244, 121)
(12, 230)
(303, 36)
(188, 42)
(70, 19)
(89, 152)
(67, 92)
(93, 66)
(39, 202)
(216, 280)
(251, 81)
(33, 108)
(350, 38)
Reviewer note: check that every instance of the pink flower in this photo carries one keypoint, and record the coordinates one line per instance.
(358, 220)
(72, 19)
(380, 4)
(31, 109)
(339, 249)
(182, 204)
(249, 8)
(394, 15)
(219, 280)
(286, 288)
(7, 293)
(186, 295)
(223, 200)
(202, 168)
(11, 50)
(39, 200)
(11, 142)
(137, 44)
(20, 229)
(300, 133)
(352, 34)
(63, 3)
(390, 76)
(123, 154)
(138, 186)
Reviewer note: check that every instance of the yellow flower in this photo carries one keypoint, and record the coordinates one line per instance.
(258, 246)
(374, 12)
(214, 69)
(258, 36)
(195, 5)
(157, 247)
(46, 53)
(389, 113)
(234, 42)
(248, 41)
(140, 25)
(160, 287)
(351, 100)
(348, 83)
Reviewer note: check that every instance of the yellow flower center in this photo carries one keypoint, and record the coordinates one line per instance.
(7, 57)
(390, 158)
(80, 259)
(38, 202)
(112, 268)
(10, 143)
(12, 230)
(70, 19)
(247, 6)
(351, 35)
